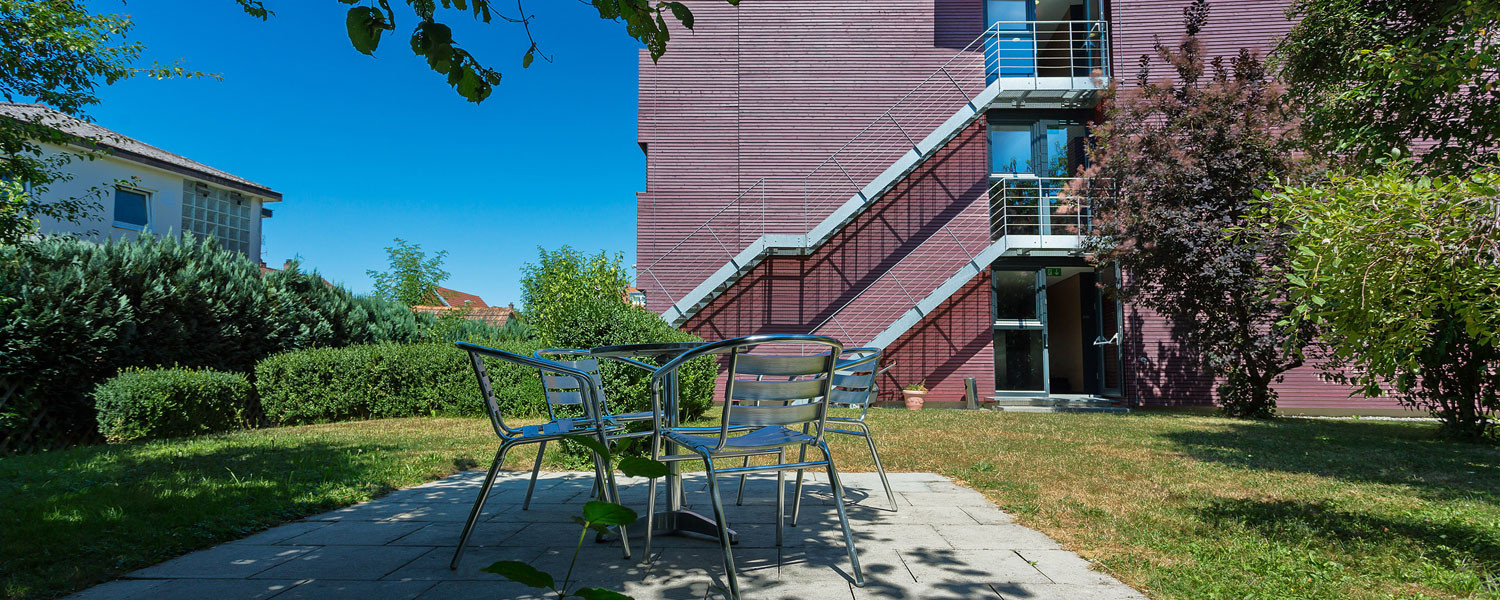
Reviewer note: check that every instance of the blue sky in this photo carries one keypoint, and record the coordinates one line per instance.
(369, 149)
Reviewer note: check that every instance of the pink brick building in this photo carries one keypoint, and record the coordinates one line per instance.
(885, 172)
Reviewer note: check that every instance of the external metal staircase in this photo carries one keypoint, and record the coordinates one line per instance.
(1010, 64)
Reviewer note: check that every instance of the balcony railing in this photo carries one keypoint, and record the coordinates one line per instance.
(1059, 62)
(1040, 207)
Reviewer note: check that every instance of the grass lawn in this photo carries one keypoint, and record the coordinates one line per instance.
(1182, 507)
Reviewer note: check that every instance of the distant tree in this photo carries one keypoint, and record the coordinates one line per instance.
(56, 53)
(566, 277)
(1378, 75)
(1401, 274)
(1174, 171)
(413, 278)
(368, 22)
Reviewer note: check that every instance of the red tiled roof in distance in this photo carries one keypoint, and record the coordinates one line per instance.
(456, 298)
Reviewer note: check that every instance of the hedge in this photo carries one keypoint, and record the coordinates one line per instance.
(389, 380)
(145, 404)
(74, 313)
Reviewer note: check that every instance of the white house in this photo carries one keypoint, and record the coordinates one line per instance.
(147, 189)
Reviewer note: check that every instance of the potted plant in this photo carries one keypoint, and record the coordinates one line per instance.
(915, 394)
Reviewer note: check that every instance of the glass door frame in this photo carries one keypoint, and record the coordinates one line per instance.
(1109, 279)
(1039, 323)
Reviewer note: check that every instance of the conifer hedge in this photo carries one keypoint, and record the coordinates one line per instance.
(74, 313)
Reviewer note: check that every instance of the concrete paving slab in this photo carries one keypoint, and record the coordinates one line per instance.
(365, 563)
(944, 542)
(329, 589)
(355, 533)
(229, 561)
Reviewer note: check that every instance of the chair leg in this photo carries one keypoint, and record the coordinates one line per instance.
(484, 494)
(780, 498)
(535, 468)
(650, 515)
(713, 492)
(797, 491)
(604, 479)
(879, 468)
(838, 494)
(739, 499)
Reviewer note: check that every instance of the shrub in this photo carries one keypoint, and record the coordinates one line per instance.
(146, 404)
(73, 313)
(591, 323)
(389, 380)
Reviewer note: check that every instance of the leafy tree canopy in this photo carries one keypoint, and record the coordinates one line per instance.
(1176, 167)
(1382, 75)
(566, 277)
(413, 278)
(1401, 273)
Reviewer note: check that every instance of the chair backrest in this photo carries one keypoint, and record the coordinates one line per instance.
(585, 385)
(565, 390)
(854, 377)
(773, 380)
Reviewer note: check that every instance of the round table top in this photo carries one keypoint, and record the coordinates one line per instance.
(647, 349)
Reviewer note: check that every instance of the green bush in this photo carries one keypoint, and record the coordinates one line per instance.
(390, 380)
(73, 313)
(146, 404)
(592, 323)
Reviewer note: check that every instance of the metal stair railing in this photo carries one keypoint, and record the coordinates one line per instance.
(777, 214)
(1029, 207)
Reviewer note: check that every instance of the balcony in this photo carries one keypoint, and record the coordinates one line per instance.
(1037, 216)
(1047, 64)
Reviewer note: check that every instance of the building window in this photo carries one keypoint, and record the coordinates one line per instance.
(132, 209)
(1010, 149)
(217, 213)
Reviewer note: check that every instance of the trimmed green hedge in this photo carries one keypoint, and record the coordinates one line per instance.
(74, 313)
(146, 404)
(389, 380)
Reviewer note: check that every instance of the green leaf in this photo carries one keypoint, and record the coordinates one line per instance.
(600, 594)
(640, 466)
(522, 573)
(682, 13)
(526, 60)
(608, 513)
(590, 443)
(365, 25)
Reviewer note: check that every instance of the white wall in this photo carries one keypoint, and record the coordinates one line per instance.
(165, 187)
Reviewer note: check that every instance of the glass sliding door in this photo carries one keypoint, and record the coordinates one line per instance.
(1020, 330)
(1010, 50)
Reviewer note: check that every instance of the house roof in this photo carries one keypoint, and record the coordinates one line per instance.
(131, 149)
(494, 315)
(459, 299)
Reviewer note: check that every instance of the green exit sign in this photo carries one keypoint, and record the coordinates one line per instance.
(1054, 271)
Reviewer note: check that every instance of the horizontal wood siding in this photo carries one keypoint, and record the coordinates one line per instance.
(771, 89)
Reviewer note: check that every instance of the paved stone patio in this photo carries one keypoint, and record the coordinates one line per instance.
(946, 541)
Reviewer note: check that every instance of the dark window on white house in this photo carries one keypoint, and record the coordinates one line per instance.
(132, 208)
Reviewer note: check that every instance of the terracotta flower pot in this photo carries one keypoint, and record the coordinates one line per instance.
(914, 398)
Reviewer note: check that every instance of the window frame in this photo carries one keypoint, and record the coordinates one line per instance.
(146, 195)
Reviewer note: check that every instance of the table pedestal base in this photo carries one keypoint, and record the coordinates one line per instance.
(687, 523)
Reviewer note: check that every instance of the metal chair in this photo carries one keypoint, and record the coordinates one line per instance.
(853, 387)
(774, 425)
(563, 390)
(555, 429)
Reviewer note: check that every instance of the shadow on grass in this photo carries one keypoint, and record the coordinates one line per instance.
(1369, 451)
(1300, 522)
(81, 516)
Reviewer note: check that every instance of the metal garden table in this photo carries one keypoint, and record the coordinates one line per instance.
(675, 520)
